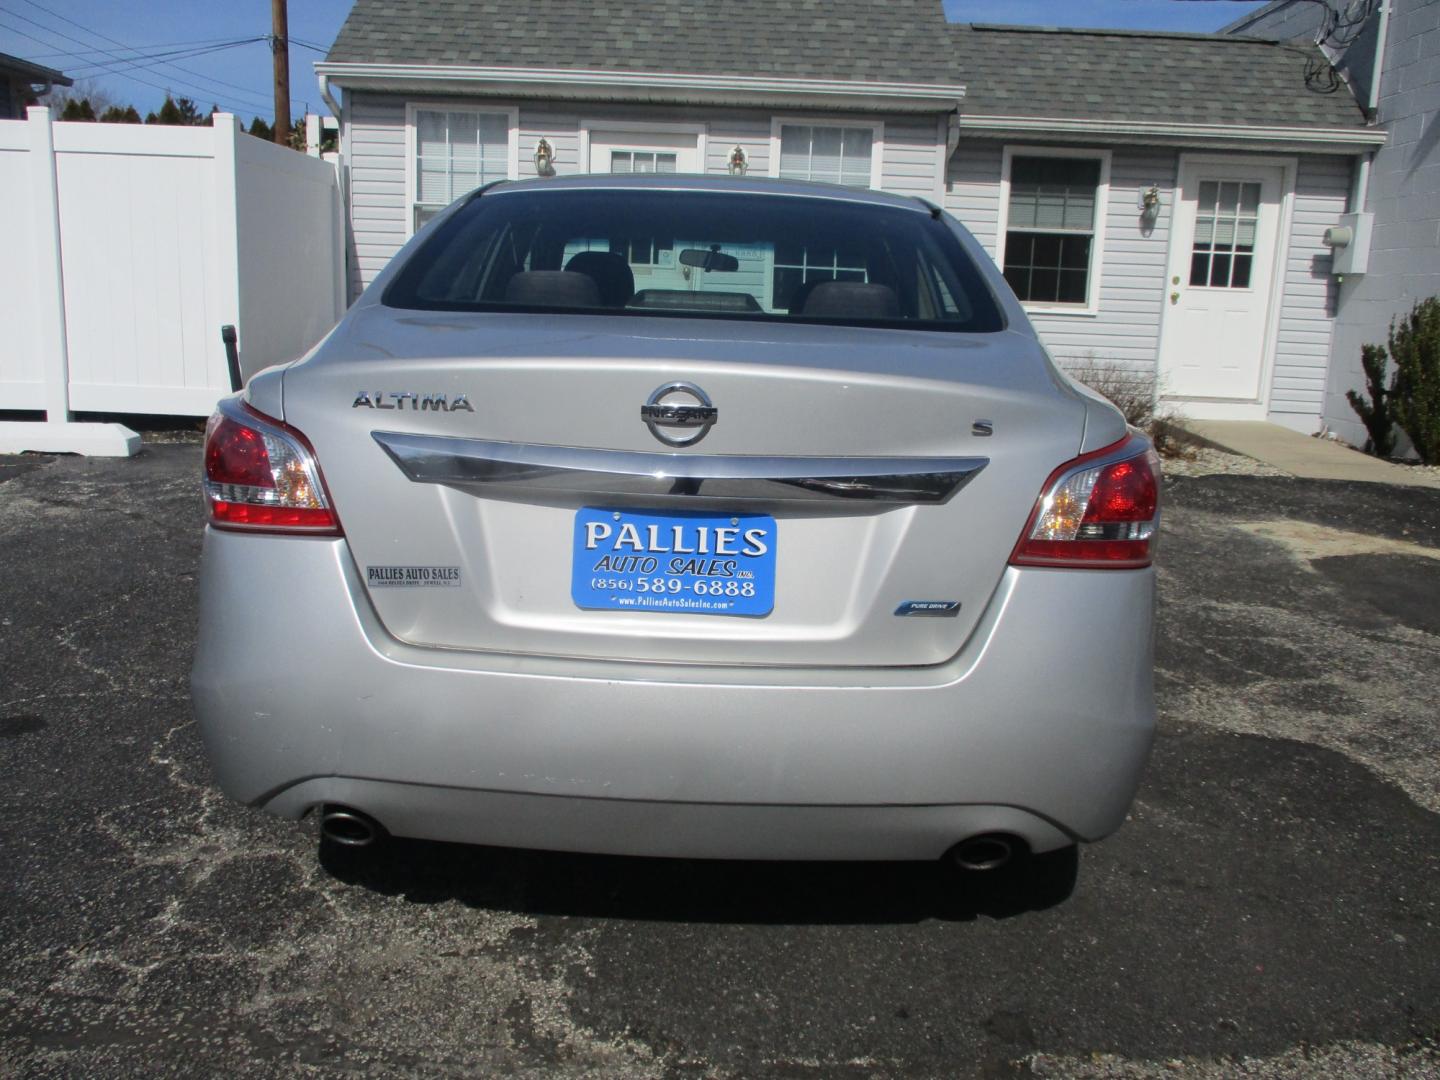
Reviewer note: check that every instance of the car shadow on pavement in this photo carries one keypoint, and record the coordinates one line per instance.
(699, 890)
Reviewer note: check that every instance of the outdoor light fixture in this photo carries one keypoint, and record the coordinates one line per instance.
(1150, 201)
(544, 158)
(739, 161)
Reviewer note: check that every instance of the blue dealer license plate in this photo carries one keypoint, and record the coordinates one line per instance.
(693, 563)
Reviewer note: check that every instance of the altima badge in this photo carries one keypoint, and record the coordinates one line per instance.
(683, 406)
(375, 399)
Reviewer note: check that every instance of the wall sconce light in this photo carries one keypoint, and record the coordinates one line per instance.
(739, 161)
(1150, 201)
(544, 158)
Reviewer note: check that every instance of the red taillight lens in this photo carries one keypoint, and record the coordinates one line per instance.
(262, 474)
(1103, 515)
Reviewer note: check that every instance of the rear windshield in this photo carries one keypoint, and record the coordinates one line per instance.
(698, 254)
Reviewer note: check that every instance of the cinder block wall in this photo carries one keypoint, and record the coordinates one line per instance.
(1405, 198)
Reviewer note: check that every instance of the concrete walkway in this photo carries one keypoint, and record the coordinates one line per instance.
(1302, 455)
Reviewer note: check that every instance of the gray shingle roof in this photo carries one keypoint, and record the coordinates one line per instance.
(1132, 76)
(828, 39)
(1111, 75)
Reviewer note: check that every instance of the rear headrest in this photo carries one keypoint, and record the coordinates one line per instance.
(610, 272)
(852, 300)
(552, 288)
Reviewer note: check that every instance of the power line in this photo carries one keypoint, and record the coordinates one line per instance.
(143, 48)
(132, 78)
(105, 37)
(111, 68)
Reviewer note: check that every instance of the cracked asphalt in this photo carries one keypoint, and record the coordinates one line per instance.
(1271, 909)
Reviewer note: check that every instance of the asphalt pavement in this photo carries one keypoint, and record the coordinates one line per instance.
(1272, 908)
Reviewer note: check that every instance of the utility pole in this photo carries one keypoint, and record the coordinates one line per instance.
(280, 47)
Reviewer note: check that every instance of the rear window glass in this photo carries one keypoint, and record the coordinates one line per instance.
(698, 254)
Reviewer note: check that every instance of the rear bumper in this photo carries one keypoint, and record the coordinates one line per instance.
(1040, 726)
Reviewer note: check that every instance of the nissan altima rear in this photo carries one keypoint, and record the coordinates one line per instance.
(688, 517)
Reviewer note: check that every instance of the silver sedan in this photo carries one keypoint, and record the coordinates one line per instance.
(682, 516)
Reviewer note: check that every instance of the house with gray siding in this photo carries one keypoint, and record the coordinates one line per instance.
(1388, 54)
(1158, 201)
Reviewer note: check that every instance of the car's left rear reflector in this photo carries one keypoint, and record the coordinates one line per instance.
(261, 474)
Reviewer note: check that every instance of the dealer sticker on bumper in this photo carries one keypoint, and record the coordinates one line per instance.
(690, 563)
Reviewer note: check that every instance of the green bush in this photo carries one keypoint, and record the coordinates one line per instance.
(1375, 414)
(1415, 391)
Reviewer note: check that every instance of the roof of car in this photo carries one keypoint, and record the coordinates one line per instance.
(831, 39)
(713, 182)
(1128, 75)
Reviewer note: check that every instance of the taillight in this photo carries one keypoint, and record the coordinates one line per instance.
(262, 474)
(1100, 511)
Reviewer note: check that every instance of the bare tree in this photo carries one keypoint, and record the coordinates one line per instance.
(84, 90)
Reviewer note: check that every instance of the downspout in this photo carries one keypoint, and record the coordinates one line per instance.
(329, 100)
(1372, 111)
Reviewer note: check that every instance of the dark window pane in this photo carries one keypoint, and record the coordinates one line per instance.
(1220, 271)
(1072, 286)
(1044, 285)
(1047, 251)
(1200, 268)
(789, 253)
(1060, 172)
(786, 282)
(1241, 278)
(850, 275)
(1075, 255)
(1018, 277)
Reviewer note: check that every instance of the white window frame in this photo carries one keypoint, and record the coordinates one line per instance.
(412, 159)
(642, 127)
(877, 140)
(1091, 307)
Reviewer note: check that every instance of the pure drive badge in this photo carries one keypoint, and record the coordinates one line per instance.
(412, 577)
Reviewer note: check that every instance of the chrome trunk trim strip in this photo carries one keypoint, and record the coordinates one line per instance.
(570, 470)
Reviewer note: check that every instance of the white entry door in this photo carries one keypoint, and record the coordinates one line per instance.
(1218, 288)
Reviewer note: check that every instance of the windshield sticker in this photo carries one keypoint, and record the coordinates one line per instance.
(412, 577)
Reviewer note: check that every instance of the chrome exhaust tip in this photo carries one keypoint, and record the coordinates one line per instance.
(349, 827)
(989, 851)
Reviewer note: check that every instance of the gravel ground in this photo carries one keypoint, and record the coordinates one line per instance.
(1269, 910)
(1206, 461)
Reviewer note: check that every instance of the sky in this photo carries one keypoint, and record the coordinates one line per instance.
(117, 45)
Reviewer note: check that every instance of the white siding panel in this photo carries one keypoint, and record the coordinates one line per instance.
(1126, 330)
(972, 189)
(909, 161)
(377, 184)
(1302, 345)
(750, 130)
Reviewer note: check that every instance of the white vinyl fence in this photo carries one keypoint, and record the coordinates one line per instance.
(123, 251)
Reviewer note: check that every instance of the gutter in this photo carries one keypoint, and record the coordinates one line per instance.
(657, 86)
(1345, 140)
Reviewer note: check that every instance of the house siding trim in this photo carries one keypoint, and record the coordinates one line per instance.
(413, 105)
(1091, 308)
(877, 142)
(647, 86)
(1355, 140)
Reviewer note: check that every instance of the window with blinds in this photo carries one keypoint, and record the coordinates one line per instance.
(456, 150)
(1050, 228)
(833, 155)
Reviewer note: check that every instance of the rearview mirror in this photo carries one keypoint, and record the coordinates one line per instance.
(714, 259)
